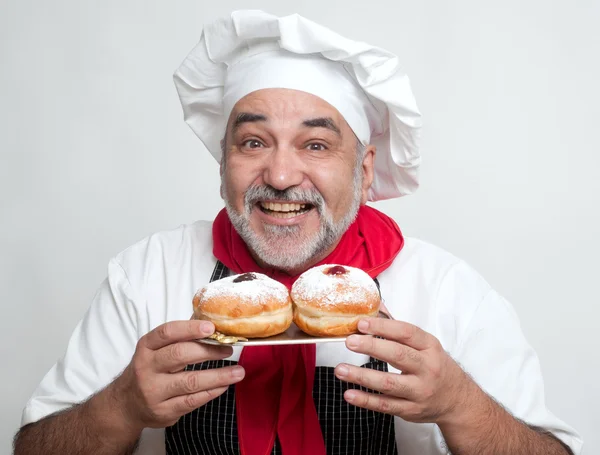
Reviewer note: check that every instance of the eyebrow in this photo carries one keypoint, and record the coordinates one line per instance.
(322, 122)
(247, 117)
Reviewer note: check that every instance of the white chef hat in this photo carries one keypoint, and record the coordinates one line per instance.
(253, 50)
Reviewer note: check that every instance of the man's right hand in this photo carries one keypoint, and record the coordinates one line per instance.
(155, 392)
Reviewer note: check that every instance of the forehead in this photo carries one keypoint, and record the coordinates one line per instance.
(285, 103)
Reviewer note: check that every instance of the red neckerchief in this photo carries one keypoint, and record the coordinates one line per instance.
(275, 397)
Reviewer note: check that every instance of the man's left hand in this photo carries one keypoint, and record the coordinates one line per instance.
(432, 386)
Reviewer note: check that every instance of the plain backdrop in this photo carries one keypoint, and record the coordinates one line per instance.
(95, 156)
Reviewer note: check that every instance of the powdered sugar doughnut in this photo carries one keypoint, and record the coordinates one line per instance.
(331, 299)
(250, 305)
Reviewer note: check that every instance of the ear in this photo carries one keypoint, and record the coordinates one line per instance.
(368, 166)
(222, 187)
(222, 170)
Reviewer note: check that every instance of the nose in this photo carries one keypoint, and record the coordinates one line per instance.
(283, 169)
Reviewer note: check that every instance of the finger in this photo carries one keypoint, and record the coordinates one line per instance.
(185, 404)
(190, 382)
(404, 358)
(176, 356)
(399, 331)
(376, 402)
(174, 331)
(390, 384)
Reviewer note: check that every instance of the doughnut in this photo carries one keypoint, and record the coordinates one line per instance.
(249, 305)
(330, 299)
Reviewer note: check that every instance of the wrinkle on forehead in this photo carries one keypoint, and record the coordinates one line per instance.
(286, 105)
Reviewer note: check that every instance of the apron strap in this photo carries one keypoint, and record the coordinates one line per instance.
(220, 271)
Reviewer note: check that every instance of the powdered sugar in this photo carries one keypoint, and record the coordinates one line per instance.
(258, 291)
(353, 287)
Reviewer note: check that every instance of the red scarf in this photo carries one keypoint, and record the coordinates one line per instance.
(275, 397)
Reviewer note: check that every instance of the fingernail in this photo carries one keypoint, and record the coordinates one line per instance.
(350, 395)
(363, 325)
(207, 328)
(352, 341)
(238, 372)
(342, 371)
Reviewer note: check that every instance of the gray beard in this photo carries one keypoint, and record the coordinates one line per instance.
(287, 247)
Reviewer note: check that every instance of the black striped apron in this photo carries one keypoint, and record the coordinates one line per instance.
(347, 430)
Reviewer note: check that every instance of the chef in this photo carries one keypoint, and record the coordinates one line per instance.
(308, 126)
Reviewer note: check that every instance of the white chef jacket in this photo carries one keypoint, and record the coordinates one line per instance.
(153, 282)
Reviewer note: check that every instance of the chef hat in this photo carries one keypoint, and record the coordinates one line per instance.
(253, 50)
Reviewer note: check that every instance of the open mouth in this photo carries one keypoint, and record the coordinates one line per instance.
(284, 210)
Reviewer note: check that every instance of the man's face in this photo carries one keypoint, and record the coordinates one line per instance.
(293, 176)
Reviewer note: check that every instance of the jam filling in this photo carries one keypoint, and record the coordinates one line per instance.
(245, 277)
(337, 270)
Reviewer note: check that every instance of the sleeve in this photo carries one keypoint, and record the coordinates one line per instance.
(99, 349)
(494, 351)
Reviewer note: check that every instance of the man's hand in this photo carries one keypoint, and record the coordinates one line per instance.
(434, 388)
(155, 391)
(432, 385)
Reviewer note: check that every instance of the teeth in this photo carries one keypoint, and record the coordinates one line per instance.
(283, 208)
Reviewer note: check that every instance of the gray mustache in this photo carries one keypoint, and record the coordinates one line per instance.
(256, 194)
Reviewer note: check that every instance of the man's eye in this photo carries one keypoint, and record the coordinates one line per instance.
(316, 147)
(252, 144)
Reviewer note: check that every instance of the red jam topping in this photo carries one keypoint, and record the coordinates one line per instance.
(245, 277)
(337, 270)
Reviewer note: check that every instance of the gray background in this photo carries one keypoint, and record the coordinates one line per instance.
(95, 156)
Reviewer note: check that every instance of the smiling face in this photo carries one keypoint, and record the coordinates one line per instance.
(293, 176)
